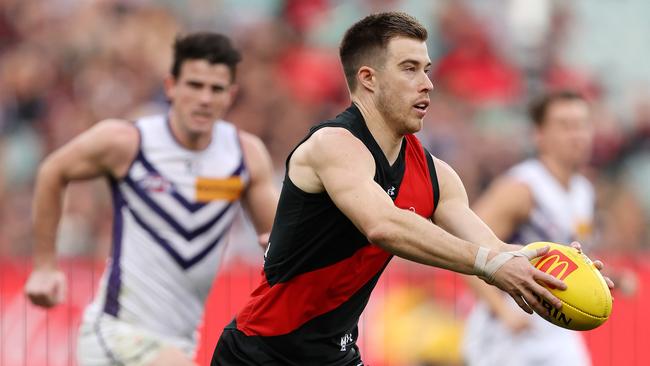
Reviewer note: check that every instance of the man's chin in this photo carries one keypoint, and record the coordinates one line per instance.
(414, 126)
(201, 129)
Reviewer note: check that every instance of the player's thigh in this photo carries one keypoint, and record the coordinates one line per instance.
(109, 341)
(171, 356)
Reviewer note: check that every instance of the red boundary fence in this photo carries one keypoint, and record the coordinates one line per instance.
(31, 336)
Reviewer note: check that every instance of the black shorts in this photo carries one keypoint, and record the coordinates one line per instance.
(235, 349)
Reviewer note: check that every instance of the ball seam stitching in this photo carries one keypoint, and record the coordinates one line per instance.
(584, 312)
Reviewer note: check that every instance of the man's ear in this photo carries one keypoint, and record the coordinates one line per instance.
(366, 78)
(233, 90)
(170, 84)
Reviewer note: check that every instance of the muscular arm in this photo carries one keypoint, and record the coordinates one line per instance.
(106, 149)
(333, 160)
(503, 207)
(337, 162)
(261, 197)
(454, 214)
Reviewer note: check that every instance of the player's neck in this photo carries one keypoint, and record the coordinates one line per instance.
(388, 140)
(187, 139)
(561, 172)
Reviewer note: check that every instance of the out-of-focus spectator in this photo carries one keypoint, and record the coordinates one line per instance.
(472, 68)
(56, 53)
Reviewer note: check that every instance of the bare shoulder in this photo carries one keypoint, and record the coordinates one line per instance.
(251, 143)
(330, 154)
(116, 142)
(509, 191)
(505, 205)
(442, 167)
(107, 148)
(509, 182)
(449, 182)
(256, 156)
(334, 143)
(116, 125)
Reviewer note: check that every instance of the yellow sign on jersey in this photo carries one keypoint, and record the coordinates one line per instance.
(211, 189)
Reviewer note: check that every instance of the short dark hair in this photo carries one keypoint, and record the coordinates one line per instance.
(212, 47)
(371, 34)
(539, 107)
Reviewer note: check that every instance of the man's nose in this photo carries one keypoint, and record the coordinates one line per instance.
(428, 84)
(205, 95)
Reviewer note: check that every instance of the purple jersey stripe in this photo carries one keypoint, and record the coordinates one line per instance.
(190, 206)
(184, 263)
(187, 235)
(112, 305)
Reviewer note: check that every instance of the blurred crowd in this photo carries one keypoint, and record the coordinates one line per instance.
(66, 64)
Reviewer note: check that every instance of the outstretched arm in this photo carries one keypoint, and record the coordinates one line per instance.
(261, 197)
(106, 149)
(335, 161)
(454, 214)
(504, 206)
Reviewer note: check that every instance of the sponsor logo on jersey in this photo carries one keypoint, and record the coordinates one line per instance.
(154, 183)
(211, 189)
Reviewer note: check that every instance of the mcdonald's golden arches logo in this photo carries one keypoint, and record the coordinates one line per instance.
(556, 264)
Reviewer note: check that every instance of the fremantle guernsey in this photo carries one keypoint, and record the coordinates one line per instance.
(172, 213)
(562, 215)
(320, 269)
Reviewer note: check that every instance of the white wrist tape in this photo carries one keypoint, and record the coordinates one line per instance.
(487, 269)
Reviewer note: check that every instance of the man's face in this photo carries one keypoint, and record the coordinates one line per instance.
(200, 95)
(403, 84)
(566, 134)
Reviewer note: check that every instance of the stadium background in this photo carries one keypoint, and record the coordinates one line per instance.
(65, 64)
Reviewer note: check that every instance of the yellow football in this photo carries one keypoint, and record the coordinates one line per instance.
(587, 302)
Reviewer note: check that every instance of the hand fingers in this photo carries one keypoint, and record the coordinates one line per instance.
(46, 293)
(599, 265)
(577, 246)
(541, 251)
(537, 303)
(549, 280)
(41, 300)
(542, 293)
(60, 292)
(522, 304)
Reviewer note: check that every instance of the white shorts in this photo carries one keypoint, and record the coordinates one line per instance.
(107, 340)
(487, 342)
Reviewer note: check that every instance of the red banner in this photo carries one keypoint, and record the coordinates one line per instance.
(32, 336)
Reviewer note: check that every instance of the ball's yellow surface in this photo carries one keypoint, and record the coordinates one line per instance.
(587, 302)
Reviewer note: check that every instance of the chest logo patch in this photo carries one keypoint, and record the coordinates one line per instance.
(211, 189)
(154, 183)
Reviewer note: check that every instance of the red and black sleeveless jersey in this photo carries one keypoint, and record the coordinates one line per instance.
(319, 269)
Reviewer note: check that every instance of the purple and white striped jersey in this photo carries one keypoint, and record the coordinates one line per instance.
(172, 214)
